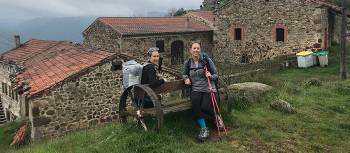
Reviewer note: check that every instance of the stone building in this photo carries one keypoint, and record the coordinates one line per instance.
(136, 35)
(249, 31)
(60, 86)
(240, 31)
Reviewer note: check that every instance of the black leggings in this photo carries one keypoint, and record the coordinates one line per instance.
(201, 104)
(146, 102)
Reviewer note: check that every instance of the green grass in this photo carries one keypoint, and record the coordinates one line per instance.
(322, 123)
(6, 132)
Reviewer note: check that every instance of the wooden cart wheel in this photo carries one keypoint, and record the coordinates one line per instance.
(131, 104)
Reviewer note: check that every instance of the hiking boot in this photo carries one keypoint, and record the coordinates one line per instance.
(203, 134)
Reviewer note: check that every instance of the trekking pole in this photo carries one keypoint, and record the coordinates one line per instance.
(215, 105)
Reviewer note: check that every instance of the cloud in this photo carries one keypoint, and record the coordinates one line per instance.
(62, 8)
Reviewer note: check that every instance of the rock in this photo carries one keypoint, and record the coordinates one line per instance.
(50, 112)
(249, 91)
(313, 82)
(283, 106)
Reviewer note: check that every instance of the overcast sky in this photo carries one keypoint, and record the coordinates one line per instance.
(26, 9)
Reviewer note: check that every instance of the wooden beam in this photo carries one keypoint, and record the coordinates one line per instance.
(243, 73)
(343, 65)
(168, 87)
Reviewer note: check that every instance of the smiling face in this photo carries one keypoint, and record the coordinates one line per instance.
(154, 58)
(195, 50)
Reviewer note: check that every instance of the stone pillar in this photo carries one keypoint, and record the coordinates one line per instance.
(17, 41)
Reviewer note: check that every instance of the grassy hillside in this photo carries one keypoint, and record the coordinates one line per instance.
(322, 123)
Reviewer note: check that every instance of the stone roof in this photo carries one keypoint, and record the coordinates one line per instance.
(130, 26)
(45, 63)
(207, 15)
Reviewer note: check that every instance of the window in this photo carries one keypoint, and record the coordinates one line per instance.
(10, 92)
(238, 34)
(244, 58)
(160, 45)
(16, 96)
(3, 87)
(280, 35)
(13, 94)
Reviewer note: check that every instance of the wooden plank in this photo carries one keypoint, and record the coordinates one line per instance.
(170, 87)
(178, 108)
(175, 102)
(242, 74)
(166, 110)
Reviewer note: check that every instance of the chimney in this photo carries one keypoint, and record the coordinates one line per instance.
(187, 23)
(17, 41)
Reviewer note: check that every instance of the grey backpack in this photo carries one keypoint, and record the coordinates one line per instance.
(132, 73)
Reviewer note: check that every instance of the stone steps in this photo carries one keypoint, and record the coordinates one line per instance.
(2, 114)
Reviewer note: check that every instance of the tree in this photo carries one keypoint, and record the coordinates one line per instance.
(180, 12)
(174, 12)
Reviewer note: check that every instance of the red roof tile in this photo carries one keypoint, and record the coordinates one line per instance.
(46, 63)
(154, 25)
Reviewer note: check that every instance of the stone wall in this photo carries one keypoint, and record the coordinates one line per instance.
(303, 22)
(85, 100)
(144, 43)
(81, 102)
(12, 102)
(337, 22)
(98, 35)
(101, 36)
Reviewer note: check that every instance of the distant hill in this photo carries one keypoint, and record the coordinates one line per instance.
(6, 40)
(50, 28)
(68, 28)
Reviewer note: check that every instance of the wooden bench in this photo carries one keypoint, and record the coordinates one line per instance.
(165, 105)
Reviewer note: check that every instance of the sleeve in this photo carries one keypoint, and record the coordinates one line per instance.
(184, 74)
(151, 73)
(214, 75)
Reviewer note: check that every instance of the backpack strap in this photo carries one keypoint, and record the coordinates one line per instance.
(188, 67)
(205, 62)
(146, 63)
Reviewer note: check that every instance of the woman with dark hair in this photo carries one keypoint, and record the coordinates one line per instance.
(150, 74)
(196, 76)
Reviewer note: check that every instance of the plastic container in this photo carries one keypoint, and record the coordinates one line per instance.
(323, 57)
(305, 59)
